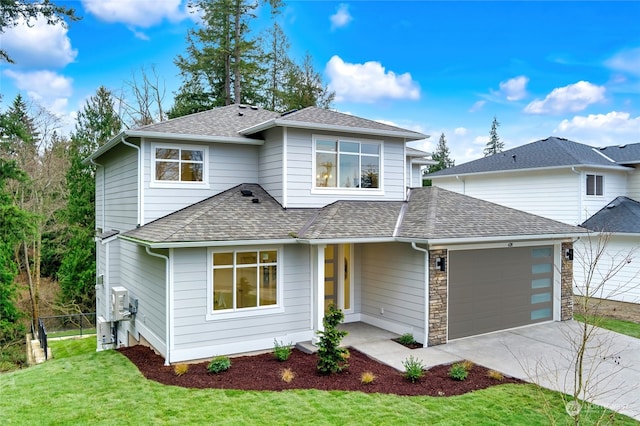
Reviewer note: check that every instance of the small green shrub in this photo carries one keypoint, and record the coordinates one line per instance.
(281, 351)
(414, 369)
(406, 339)
(458, 372)
(180, 369)
(331, 357)
(219, 364)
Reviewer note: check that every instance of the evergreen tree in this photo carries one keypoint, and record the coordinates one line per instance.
(303, 87)
(96, 124)
(495, 145)
(441, 155)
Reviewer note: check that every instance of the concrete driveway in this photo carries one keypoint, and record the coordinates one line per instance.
(541, 354)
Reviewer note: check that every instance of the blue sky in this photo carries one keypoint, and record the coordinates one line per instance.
(568, 69)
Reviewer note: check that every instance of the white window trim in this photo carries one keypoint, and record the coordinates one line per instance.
(244, 312)
(595, 179)
(347, 191)
(153, 183)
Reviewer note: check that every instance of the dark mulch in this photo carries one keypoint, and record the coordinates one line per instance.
(262, 372)
(413, 345)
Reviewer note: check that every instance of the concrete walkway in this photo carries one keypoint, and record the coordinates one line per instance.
(539, 354)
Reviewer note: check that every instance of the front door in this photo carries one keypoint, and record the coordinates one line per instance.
(337, 276)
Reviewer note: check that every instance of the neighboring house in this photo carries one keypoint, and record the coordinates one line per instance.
(221, 231)
(569, 182)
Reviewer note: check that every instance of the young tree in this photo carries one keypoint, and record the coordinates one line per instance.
(96, 124)
(16, 12)
(441, 155)
(495, 145)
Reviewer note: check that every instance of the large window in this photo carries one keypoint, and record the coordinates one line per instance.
(179, 164)
(347, 164)
(244, 279)
(595, 185)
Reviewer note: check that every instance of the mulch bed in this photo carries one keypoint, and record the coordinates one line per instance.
(262, 372)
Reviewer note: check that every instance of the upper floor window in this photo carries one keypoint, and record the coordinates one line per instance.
(179, 164)
(595, 185)
(347, 163)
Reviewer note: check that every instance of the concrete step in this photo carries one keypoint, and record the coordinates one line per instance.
(307, 347)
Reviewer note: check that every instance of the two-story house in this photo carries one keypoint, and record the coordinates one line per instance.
(572, 183)
(221, 231)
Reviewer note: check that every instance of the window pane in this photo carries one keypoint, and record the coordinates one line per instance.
(326, 170)
(350, 147)
(167, 171)
(326, 146)
(540, 314)
(222, 289)
(370, 172)
(222, 259)
(590, 185)
(599, 188)
(191, 155)
(541, 283)
(349, 171)
(167, 154)
(268, 285)
(541, 268)
(370, 148)
(540, 298)
(541, 252)
(268, 256)
(246, 287)
(191, 172)
(247, 258)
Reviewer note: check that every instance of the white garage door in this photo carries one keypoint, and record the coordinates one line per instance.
(495, 289)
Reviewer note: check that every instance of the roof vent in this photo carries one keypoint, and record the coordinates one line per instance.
(622, 146)
(242, 106)
(253, 107)
(240, 114)
(246, 193)
(291, 111)
(255, 201)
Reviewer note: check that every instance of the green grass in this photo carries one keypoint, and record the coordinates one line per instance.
(66, 333)
(80, 386)
(629, 328)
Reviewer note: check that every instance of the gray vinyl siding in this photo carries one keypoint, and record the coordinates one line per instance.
(270, 167)
(120, 166)
(229, 165)
(300, 174)
(615, 185)
(144, 277)
(191, 283)
(633, 189)
(393, 279)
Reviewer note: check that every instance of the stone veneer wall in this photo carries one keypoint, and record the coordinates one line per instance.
(437, 334)
(566, 286)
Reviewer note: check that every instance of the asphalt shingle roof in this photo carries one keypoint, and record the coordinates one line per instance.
(435, 213)
(623, 154)
(431, 213)
(550, 152)
(620, 215)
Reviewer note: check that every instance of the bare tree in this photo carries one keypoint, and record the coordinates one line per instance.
(141, 99)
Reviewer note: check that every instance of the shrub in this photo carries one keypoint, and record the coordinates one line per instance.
(287, 375)
(414, 369)
(406, 339)
(367, 377)
(458, 372)
(495, 375)
(281, 351)
(219, 364)
(180, 369)
(468, 365)
(331, 357)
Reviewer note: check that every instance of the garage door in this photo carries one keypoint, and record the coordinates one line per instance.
(495, 289)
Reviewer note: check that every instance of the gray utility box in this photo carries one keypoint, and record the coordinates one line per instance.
(119, 304)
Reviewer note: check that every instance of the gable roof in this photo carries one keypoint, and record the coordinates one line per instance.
(623, 154)
(431, 215)
(546, 153)
(620, 215)
(324, 119)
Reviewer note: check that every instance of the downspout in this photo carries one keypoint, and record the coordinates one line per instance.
(580, 192)
(104, 201)
(285, 166)
(167, 359)
(426, 291)
(464, 187)
(140, 171)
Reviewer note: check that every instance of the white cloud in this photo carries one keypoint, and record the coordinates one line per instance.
(515, 88)
(477, 106)
(46, 88)
(368, 82)
(138, 13)
(38, 45)
(626, 61)
(571, 98)
(341, 18)
(460, 131)
(602, 129)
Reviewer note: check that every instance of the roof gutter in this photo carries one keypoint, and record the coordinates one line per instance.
(495, 239)
(210, 243)
(566, 166)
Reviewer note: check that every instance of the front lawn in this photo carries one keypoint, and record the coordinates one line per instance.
(80, 386)
(629, 328)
